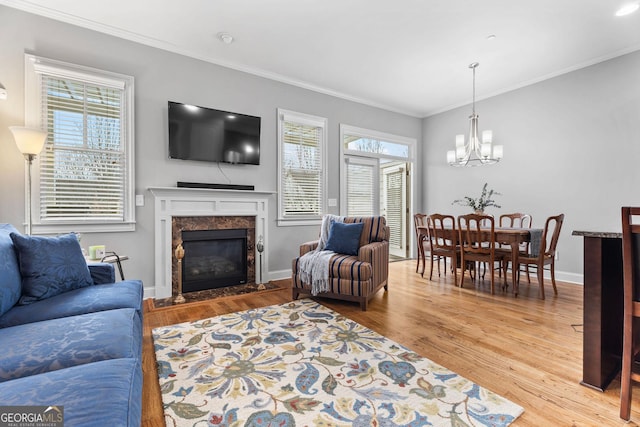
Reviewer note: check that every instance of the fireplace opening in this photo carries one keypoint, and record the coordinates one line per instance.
(214, 259)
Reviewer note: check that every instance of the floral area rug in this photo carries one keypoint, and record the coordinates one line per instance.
(302, 364)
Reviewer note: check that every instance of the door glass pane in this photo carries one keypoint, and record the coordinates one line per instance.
(369, 145)
(394, 199)
(360, 189)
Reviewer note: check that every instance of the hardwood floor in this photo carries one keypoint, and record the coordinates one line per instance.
(525, 349)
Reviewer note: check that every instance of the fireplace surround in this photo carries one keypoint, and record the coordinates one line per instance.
(224, 206)
(192, 232)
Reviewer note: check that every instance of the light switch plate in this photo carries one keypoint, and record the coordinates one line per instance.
(332, 202)
(139, 199)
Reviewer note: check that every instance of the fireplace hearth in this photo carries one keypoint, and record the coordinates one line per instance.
(214, 259)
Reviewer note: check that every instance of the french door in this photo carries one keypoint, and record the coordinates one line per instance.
(378, 187)
(375, 179)
(394, 196)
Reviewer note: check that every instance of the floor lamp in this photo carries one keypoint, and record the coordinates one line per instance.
(30, 142)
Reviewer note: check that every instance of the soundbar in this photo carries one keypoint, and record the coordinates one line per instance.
(215, 186)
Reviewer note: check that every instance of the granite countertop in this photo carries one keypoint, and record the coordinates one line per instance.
(600, 234)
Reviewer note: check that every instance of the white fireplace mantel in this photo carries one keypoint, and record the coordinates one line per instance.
(173, 201)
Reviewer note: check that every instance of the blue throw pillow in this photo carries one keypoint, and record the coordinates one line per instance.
(10, 280)
(50, 266)
(344, 238)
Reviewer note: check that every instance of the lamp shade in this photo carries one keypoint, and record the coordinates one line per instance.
(28, 140)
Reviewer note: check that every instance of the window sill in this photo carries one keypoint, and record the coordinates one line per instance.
(82, 228)
(298, 222)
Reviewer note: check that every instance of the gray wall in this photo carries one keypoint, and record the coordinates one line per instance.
(161, 76)
(571, 143)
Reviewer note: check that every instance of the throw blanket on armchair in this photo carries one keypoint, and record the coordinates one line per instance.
(314, 265)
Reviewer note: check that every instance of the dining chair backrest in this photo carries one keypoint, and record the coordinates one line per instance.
(419, 220)
(550, 235)
(630, 242)
(631, 310)
(420, 227)
(443, 228)
(472, 239)
(515, 220)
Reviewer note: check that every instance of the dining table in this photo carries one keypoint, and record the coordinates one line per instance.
(513, 237)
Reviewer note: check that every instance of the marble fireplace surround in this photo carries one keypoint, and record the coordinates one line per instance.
(172, 202)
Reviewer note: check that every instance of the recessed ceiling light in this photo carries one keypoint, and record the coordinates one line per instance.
(628, 9)
(225, 38)
(491, 37)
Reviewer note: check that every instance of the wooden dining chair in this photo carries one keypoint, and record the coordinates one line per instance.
(631, 275)
(442, 243)
(420, 220)
(478, 244)
(546, 254)
(517, 220)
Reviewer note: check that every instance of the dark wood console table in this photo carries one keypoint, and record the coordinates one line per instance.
(603, 308)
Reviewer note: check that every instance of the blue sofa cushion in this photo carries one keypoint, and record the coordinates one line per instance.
(344, 238)
(50, 266)
(125, 294)
(10, 280)
(106, 393)
(39, 347)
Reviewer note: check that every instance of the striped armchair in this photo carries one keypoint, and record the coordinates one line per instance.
(353, 278)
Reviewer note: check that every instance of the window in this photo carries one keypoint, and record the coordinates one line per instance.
(85, 180)
(301, 165)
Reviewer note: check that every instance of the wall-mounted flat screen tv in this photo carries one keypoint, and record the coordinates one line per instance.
(205, 134)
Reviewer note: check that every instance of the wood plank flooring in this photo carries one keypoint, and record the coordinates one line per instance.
(525, 349)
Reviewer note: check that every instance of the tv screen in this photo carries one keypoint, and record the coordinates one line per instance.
(198, 133)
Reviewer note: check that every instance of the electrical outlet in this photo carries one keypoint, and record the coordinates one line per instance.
(557, 255)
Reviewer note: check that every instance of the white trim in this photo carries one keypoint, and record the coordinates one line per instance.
(279, 275)
(65, 227)
(533, 81)
(309, 120)
(412, 143)
(170, 47)
(173, 201)
(382, 136)
(34, 67)
(53, 68)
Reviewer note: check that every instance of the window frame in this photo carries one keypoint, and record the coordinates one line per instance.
(35, 67)
(304, 119)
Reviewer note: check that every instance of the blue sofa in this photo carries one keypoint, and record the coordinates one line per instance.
(70, 335)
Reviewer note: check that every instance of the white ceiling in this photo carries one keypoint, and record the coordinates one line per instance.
(409, 56)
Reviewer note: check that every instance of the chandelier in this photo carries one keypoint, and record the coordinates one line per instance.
(475, 152)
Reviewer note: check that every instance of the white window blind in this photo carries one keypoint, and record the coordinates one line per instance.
(85, 179)
(82, 167)
(361, 179)
(301, 142)
(395, 204)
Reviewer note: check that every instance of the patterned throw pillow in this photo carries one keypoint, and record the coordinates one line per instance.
(50, 266)
(344, 238)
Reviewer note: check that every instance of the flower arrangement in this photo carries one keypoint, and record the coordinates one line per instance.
(484, 201)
